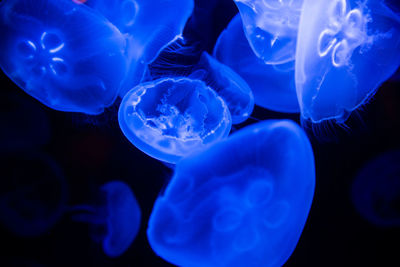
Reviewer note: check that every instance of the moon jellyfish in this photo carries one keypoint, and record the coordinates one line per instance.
(242, 202)
(148, 25)
(345, 50)
(229, 85)
(62, 54)
(271, 27)
(273, 86)
(376, 190)
(114, 220)
(32, 194)
(171, 118)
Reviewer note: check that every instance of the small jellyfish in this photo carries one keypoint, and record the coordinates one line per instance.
(242, 202)
(273, 86)
(345, 50)
(114, 220)
(33, 193)
(148, 25)
(271, 27)
(229, 85)
(61, 53)
(376, 190)
(170, 118)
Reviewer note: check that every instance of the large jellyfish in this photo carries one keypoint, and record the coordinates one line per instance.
(148, 26)
(172, 117)
(345, 50)
(63, 54)
(271, 27)
(273, 86)
(242, 202)
(229, 85)
(114, 219)
(33, 193)
(376, 190)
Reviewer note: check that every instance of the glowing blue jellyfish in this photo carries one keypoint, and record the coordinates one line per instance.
(62, 53)
(345, 50)
(376, 190)
(242, 202)
(171, 118)
(271, 27)
(148, 25)
(273, 86)
(229, 85)
(33, 193)
(114, 220)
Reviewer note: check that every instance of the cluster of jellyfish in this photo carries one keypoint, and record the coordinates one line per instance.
(237, 197)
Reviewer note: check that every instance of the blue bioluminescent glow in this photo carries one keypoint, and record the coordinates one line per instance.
(116, 217)
(229, 85)
(171, 118)
(148, 25)
(376, 190)
(242, 202)
(271, 27)
(273, 86)
(345, 50)
(62, 54)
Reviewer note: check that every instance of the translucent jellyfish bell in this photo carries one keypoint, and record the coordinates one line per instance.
(148, 25)
(114, 220)
(242, 202)
(62, 54)
(171, 118)
(33, 193)
(271, 27)
(345, 50)
(376, 190)
(229, 85)
(273, 86)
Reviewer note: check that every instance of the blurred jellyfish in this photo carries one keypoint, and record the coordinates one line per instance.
(170, 118)
(242, 202)
(32, 193)
(114, 220)
(229, 85)
(376, 190)
(25, 124)
(271, 27)
(148, 25)
(62, 53)
(345, 50)
(273, 86)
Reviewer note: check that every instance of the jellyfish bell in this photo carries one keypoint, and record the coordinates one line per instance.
(345, 51)
(148, 26)
(250, 213)
(229, 85)
(62, 54)
(170, 118)
(33, 193)
(273, 86)
(114, 219)
(271, 27)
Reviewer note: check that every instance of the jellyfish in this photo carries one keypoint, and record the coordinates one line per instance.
(242, 202)
(25, 124)
(148, 25)
(345, 50)
(62, 53)
(273, 86)
(114, 220)
(376, 190)
(271, 27)
(229, 85)
(33, 193)
(170, 118)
